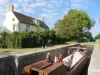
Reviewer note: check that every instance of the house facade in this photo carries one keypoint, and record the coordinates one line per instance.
(18, 22)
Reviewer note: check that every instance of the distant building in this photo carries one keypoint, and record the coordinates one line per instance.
(18, 22)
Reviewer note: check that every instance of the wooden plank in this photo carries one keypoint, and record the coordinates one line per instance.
(36, 66)
(55, 69)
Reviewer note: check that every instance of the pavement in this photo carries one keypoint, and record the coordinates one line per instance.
(94, 66)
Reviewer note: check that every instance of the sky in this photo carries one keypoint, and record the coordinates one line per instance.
(52, 10)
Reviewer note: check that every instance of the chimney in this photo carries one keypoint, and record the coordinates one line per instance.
(10, 8)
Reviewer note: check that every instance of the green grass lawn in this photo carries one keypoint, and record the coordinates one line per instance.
(88, 43)
(26, 50)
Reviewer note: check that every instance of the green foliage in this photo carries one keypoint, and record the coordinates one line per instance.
(86, 37)
(30, 39)
(3, 37)
(74, 24)
(97, 36)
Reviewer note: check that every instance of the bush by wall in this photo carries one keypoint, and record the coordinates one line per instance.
(29, 39)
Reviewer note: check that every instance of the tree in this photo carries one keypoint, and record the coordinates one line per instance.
(74, 24)
(88, 36)
(97, 36)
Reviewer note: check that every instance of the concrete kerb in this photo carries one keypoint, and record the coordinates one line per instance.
(94, 67)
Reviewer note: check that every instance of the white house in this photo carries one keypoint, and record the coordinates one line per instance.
(18, 22)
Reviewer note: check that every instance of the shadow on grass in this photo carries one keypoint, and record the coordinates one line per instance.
(7, 51)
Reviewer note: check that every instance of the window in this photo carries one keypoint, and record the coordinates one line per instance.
(13, 27)
(13, 19)
(27, 27)
(36, 22)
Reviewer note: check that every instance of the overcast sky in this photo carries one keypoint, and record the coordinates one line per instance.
(52, 10)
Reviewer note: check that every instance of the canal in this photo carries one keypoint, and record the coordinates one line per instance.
(85, 69)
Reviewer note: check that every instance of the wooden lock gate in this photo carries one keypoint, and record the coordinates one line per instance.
(45, 68)
(55, 69)
(36, 66)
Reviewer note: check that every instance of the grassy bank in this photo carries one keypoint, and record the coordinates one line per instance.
(26, 50)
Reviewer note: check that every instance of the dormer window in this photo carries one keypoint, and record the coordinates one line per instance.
(36, 22)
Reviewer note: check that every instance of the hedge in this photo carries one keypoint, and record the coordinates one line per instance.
(30, 39)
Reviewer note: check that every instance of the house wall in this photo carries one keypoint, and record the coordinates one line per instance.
(9, 22)
(22, 27)
(43, 29)
(33, 27)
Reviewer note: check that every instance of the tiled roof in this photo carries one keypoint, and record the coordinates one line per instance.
(29, 20)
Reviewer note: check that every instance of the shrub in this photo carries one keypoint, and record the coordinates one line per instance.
(3, 39)
(97, 36)
(29, 39)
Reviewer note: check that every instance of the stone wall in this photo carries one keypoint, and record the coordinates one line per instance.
(7, 65)
(14, 64)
